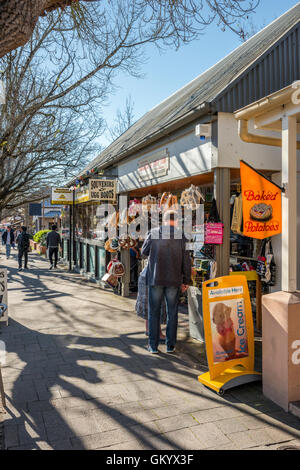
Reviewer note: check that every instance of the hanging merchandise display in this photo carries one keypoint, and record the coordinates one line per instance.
(214, 228)
(168, 201)
(229, 333)
(134, 207)
(112, 245)
(266, 266)
(261, 204)
(148, 202)
(191, 197)
(111, 280)
(115, 268)
(127, 242)
(237, 216)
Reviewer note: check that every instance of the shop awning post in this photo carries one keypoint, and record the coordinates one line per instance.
(289, 204)
(73, 230)
(70, 236)
(222, 197)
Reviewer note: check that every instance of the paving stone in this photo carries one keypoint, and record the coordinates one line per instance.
(11, 437)
(183, 439)
(129, 445)
(101, 440)
(208, 434)
(176, 422)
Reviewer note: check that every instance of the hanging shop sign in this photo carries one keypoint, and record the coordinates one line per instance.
(229, 334)
(62, 196)
(103, 190)
(82, 195)
(3, 293)
(261, 204)
(153, 167)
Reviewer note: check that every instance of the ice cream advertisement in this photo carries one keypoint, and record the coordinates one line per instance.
(228, 330)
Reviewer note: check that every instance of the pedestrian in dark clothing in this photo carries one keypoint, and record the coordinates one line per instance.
(53, 243)
(23, 242)
(8, 239)
(169, 271)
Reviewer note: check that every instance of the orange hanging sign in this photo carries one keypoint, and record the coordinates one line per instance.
(261, 204)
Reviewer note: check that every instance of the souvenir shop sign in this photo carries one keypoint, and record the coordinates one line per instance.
(261, 204)
(62, 196)
(102, 190)
(154, 167)
(229, 335)
(3, 292)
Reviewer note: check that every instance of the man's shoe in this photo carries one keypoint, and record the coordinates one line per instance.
(152, 351)
(20, 269)
(51, 266)
(171, 350)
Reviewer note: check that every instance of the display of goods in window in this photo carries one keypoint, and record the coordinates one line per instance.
(191, 197)
(168, 201)
(134, 207)
(148, 202)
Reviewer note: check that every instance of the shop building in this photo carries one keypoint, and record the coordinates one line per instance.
(193, 138)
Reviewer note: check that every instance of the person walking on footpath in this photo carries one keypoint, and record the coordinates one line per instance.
(23, 247)
(53, 243)
(169, 271)
(8, 239)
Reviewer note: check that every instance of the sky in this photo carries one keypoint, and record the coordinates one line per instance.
(168, 72)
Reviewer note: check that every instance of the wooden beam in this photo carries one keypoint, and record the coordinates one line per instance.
(222, 196)
(289, 204)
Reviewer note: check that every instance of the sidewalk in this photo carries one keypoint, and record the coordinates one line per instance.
(78, 376)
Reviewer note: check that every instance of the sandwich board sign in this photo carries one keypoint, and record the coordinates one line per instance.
(62, 196)
(229, 333)
(3, 293)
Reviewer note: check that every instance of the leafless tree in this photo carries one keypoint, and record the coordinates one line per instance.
(57, 83)
(123, 120)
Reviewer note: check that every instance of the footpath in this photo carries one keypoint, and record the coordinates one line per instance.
(78, 376)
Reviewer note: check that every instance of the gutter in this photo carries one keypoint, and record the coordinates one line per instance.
(246, 136)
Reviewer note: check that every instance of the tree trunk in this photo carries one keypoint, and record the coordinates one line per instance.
(18, 19)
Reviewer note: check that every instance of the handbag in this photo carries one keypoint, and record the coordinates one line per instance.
(214, 228)
(115, 268)
(269, 276)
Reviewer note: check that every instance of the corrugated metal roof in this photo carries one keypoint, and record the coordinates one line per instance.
(209, 86)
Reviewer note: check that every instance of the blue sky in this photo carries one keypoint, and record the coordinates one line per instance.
(165, 73)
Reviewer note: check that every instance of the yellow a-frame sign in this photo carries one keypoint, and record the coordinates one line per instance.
(229, 334)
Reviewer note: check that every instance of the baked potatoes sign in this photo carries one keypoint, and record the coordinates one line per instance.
(261, 204)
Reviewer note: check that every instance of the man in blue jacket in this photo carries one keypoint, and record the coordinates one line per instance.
(169, 270)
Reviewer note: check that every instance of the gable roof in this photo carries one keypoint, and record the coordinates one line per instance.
(193, 99)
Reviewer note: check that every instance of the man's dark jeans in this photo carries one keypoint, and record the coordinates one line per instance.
(20, 256)
(155, 299)
(53, 251)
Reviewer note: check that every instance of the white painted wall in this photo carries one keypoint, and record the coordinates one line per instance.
(188, 156)
(276, 241)
(231, 149)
